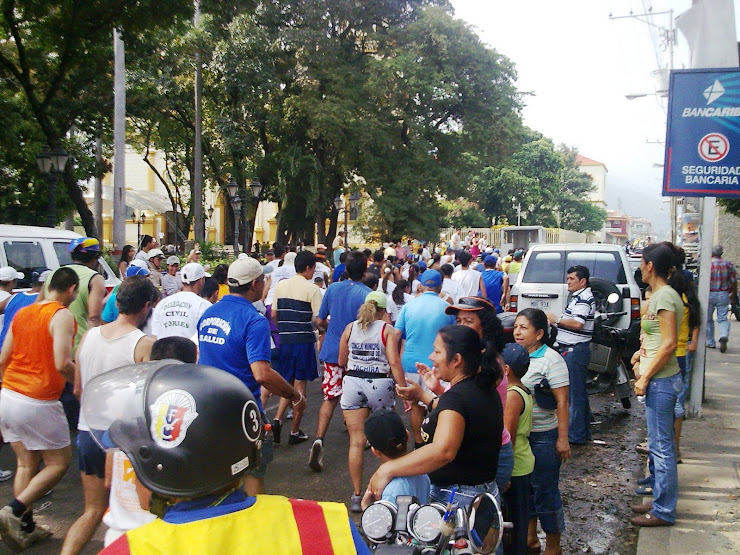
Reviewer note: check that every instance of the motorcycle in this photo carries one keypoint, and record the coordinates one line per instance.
(408, 528)
(607, 371)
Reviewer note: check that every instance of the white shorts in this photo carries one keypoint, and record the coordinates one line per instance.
(364, 393)
(38, 425)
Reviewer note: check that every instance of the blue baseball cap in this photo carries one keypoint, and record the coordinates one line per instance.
(422, 265)
(134, 270)
(431, 278)
(516, 357)
(490, 260)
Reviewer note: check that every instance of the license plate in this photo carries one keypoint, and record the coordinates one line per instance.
(541, 304)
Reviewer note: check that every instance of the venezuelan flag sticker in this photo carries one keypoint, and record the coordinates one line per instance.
(172, 413)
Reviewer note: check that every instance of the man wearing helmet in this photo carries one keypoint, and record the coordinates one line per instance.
(191, 431)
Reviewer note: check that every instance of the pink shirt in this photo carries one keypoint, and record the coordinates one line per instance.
(502, 387)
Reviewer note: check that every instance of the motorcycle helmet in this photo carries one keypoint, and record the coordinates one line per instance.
(84, 245)
(188, 429)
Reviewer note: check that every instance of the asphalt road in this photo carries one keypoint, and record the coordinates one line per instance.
(596, 484)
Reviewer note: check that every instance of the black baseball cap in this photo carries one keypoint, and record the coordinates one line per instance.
(516, 357)
(469, 304)
(385, 431)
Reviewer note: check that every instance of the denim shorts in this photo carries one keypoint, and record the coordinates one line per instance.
(464, 494)
(90, 457)
(545, 501)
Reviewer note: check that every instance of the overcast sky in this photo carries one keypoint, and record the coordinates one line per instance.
(579, 64)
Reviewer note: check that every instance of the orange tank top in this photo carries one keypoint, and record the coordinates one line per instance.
(31, 370)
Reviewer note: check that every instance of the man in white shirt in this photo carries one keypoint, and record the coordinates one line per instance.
(171, 283)
(178, 314)
(468, 279)
(449, 286)
(455, 243)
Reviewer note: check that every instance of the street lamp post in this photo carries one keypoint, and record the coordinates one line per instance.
(341, 206)
(236, 204)
(256, 188)
(50, 163)
(518, 207)
(138, 220)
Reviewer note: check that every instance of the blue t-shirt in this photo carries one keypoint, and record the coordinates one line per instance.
(231, 336)
(110, 308)
(418, 486)
(342, 300)
(493, 280)
(14, 305)
(419, 322)
(338, 271)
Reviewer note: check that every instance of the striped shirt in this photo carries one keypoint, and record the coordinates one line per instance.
(581, 308)
(298, 300)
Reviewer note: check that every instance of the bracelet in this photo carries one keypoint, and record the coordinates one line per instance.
(300, 398)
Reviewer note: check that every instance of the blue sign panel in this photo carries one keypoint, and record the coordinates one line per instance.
(702, 156)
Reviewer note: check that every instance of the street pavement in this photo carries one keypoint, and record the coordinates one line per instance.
(709, 478)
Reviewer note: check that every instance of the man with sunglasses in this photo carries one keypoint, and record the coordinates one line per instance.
(234, 336)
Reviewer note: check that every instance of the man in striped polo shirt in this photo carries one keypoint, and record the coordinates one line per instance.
(297, 301)
(575, 328)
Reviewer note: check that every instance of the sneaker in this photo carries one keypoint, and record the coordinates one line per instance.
(299, 437)
(722, 344)
(642, 448)
(644, 490)
(5, 475)
(10, 529)
(316, 456)
(289, 414)
(277, 427)
(355, 503)
(39, 533)
(647, 480)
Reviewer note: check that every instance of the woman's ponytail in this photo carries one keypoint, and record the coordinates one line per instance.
(490, 369)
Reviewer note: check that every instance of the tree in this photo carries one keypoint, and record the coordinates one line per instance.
(55, 65)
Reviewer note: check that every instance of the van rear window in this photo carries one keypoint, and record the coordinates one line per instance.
(605, 265)
(24, 256)
(545, 267)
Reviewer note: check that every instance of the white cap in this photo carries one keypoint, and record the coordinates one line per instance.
(8, 273)
(244, 270)
(140, 263)
(289, 259)
(192, 272)
(242, 255)
(173, 260)
(155, 252)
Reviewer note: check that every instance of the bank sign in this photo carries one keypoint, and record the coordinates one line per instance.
(702, 156)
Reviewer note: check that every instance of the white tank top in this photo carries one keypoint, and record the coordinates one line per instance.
(367, 349)
(98, 355)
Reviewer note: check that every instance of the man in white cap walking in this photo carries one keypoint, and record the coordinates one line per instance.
(178, 314)
(171, 282)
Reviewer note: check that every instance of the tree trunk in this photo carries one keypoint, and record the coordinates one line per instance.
(75, 193)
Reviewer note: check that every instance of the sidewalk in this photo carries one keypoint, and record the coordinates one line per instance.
(709, 478)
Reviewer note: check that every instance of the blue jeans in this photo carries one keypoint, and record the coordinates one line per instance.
(544, 501)
(577, 358)
(505, 466)
(517, 503)
(684, 363)
(719, 300)
(464, 494)
(660, 401)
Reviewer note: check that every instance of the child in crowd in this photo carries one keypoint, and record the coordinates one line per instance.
(518, 420)
(388, 437)
(125, 512)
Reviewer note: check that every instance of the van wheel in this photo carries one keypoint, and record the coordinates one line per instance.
(602, 288)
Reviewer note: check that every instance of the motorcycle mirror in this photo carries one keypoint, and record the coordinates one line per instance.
(613, 298)
(485, 524)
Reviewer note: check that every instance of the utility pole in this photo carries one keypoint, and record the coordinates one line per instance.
(98, 185)
(198, 148)
(119, 143)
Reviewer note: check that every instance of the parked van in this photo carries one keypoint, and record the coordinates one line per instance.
(26, 248)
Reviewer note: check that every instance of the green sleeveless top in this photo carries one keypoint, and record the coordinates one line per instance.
(79, 305)
(523, 457)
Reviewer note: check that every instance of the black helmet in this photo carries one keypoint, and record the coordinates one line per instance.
(188, 429)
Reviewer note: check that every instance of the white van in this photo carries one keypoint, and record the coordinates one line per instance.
(27, 248)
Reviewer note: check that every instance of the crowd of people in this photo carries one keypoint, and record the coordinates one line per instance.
(485, 416)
